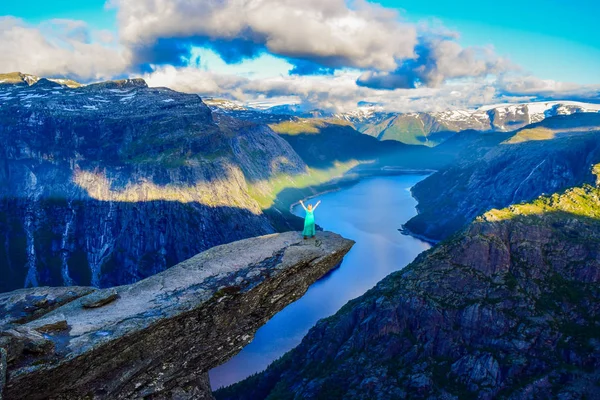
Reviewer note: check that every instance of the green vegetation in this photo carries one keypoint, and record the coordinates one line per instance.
(305, 126)
(265, 193)
(527, 135)
(582, 201)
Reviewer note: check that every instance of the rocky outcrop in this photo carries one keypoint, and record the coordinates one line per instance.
(157, 338)
(545, 158)
(509, 308)
(109, 183)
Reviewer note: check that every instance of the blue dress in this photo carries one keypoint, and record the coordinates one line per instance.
(309, 224)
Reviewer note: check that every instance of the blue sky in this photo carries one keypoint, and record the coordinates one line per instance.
(334, 54)
(552, 39)
(36, 11)
(544, 36)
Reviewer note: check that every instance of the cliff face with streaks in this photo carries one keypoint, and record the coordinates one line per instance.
(109, 183)
(156, 338)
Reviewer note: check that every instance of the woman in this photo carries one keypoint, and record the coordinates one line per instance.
(309, 220)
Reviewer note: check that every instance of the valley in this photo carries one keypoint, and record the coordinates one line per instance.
(508, 307)
(111, 184)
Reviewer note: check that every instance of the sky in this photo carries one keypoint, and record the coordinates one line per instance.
(330, 54)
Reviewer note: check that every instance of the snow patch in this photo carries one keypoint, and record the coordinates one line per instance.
(128, 97)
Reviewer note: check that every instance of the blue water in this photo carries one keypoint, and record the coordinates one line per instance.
(370, 213)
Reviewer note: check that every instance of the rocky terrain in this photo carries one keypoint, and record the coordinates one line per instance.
(508, 308)
(518, 166)
(156, 338)
(109, 183)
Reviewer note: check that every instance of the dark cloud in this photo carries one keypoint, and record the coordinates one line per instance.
(437, 60)
(308, 67)
(164, 51)
(234, 50)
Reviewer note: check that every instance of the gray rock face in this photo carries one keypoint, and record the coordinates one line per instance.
(109, 183)
(3, 363)
(509, 308)
(160, 336)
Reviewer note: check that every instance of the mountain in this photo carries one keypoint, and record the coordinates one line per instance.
(20, 79)
(508, 308)
(109, 183)
(273, 114)
(545, 157)
(156, 338)
(416, 128)
(433, 128)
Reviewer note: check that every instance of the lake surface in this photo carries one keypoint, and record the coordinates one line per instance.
(370, 213)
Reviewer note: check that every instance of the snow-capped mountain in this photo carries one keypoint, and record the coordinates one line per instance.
(432, 128)
(21, 79)
(424, 128)
(224, 105)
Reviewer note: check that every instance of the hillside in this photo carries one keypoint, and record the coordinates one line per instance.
(542, 158)
(508, 308)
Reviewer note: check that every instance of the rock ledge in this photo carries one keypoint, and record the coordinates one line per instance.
(159, 337)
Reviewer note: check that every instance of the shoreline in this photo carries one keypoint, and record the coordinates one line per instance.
(346, 181)
(355, 177)
(405, 231)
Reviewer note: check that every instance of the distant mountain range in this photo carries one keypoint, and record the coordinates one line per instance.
(419, 128)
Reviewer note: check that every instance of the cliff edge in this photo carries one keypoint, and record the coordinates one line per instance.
(156, 338)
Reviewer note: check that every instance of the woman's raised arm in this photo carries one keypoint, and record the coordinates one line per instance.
(302, 204)
(317, 205)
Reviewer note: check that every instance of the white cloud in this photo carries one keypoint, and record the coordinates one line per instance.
(324, 31)
(57, 48)
(438, 60)
(336, 93)
(527, 85)
(399, 65)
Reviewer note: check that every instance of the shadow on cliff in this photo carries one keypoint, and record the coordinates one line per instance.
(334, 143)
(91, 242)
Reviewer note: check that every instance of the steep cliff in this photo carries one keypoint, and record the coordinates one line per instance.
(544, 158)
(156, 338)
(509, 308)
(109, 183)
